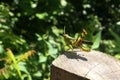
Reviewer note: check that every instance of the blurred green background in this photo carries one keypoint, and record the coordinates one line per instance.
(39, 25)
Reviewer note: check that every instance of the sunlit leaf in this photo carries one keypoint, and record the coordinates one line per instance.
(23, 67)
(63, 3)
(37, 74)
(117, 56)
(42, 58)
(96, 41)
(41, 15)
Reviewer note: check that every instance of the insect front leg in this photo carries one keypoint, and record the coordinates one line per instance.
(71, 47)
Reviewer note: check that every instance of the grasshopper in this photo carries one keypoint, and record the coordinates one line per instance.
(77, 42)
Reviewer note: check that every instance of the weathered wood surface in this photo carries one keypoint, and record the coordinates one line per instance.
(81, 65)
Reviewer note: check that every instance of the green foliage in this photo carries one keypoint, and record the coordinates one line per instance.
(12, 65)
(39, 24)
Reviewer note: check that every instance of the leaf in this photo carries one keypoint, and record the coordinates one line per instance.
(52, 50)
(117, 56)
(1, 49)
(23, 67)
(26, 55)
(96, 41)
(12, 57)
(116, 36)
(117, 40)
(37, 74)
(41, 15)
(42, 58)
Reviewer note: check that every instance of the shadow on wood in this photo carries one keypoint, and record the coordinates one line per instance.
(80, 65)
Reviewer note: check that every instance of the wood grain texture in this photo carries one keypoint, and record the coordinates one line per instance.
(81, 65)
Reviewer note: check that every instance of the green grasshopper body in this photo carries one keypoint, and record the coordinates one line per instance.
(77, 42)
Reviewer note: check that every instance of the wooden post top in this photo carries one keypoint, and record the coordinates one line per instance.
(93, 65)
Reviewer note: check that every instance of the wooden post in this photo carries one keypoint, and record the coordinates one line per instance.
(81, 65)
